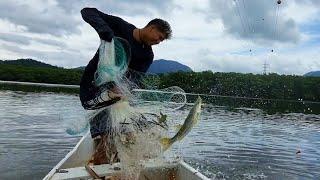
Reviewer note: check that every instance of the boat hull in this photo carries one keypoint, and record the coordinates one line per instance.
(72, 166)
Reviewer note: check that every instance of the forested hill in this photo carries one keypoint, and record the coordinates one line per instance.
(27, 63)
(29, 70)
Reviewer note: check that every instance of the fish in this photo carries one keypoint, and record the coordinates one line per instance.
(162, 119)
(192, 119)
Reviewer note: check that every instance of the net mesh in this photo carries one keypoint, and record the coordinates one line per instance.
(113, 61)
(172, 98)
(135, 132)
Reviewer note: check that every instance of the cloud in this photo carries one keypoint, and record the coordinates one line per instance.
(259, 21)
(63, 17)
(25, 40)
(299, 62)
(65, 57)
(207, 34)
(231, 63)
(19, 39)
(29, 27)
(124, 7)
(39, 17)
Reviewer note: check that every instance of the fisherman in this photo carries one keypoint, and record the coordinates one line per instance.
(140, 41)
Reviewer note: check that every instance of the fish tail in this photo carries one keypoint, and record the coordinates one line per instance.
(165, 143)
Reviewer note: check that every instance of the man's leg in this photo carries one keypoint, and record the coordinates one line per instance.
(100, 123)
(100, 128)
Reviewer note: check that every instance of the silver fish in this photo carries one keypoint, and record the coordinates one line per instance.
(192, 119)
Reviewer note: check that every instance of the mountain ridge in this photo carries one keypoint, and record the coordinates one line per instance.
(313, 74)
(157, 67)
(27, 62)
(167, 66)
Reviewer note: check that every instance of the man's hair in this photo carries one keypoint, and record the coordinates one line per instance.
(163, 26)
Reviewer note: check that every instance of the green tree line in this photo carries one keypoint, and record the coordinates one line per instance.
(271, 86)
(52, 75)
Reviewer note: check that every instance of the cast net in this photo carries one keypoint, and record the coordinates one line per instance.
(132, 134)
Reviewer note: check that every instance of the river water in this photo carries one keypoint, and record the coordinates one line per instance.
(237, 144)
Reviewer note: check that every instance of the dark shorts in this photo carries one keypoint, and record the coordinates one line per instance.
(100, 124)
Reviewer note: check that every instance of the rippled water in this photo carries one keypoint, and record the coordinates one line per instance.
(240, 144)
(32, 133)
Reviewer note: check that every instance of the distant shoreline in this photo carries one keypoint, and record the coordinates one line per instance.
(39, 87)
(270, 106)
(39, 84)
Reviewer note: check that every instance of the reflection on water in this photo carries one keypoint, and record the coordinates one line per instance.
(32, 132)
(250, 144)
(242, 144)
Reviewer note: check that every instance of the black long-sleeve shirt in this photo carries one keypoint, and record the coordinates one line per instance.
(108, 26)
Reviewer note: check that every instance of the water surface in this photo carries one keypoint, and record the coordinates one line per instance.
(239, 144)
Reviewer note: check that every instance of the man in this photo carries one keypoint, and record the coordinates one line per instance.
(140, 42)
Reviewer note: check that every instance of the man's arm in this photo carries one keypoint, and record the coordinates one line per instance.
(104, 24)
(105, 98)
(99, 102)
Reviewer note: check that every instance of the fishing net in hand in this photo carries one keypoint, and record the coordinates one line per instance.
(135, 133)
(113, 66)
(113, 62)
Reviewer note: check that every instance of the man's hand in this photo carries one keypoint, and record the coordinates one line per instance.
(115, 92)
(111, 94)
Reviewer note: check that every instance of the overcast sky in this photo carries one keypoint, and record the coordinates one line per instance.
(217, 35)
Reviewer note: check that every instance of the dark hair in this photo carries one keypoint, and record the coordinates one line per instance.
(163, 26)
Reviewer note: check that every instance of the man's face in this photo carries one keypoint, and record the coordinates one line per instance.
(154, 36)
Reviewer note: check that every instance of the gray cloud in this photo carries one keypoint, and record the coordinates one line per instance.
(48, 19)
(51, 42)
(62, 58)
(124, 7)
(22, 40)
(25, 40)
(230, 64)
(259, 21)
(63, 17)
(313, 2)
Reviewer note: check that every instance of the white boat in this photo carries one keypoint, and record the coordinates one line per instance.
(72, 166)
